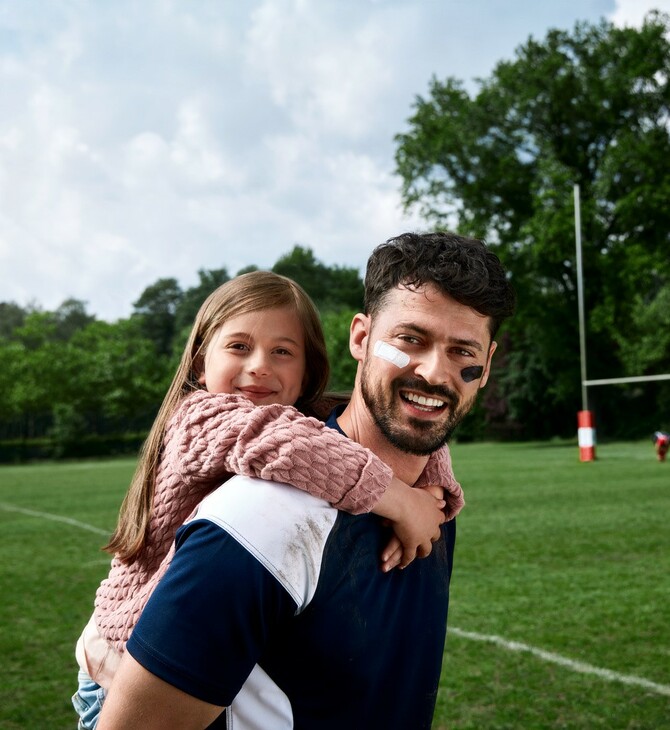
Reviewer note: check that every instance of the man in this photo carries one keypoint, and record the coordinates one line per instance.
(273, 606)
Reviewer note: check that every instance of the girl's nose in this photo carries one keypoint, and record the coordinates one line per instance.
(259, 363)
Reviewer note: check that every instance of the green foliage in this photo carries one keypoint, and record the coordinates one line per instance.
(342, 365)
(71, 317)
(156, 310)
(329, 287)
(193, 298)
(86, 383)
(646, 347)
(69, 426)
(115, 373)
(11, 317)
(589, 108)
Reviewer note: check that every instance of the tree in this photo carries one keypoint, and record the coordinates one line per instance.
(591, 108)
(342, 365)
(156, 308)
(11, 317)
(115, 376)
(71, 317)
(38, 370)
(301, 265)
(194, 297)
(330, 288)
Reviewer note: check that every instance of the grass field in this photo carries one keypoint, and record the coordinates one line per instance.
(560, 613)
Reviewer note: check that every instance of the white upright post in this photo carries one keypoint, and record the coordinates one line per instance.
(585, 426)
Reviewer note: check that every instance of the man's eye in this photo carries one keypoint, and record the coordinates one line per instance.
(409, 339)
(463, 353)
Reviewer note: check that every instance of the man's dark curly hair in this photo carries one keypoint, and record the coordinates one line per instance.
(463, 268)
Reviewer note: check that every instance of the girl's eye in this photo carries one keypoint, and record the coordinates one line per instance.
(282, 351)
(238, 346)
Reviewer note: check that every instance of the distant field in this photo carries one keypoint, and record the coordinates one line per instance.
(560, 613)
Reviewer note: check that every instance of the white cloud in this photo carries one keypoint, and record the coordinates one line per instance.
(632, 12)
(148, 140)
(330, 66)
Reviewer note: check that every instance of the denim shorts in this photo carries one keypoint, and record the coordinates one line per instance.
(87, 701)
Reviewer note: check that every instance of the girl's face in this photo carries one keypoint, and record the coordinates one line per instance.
(260, 355)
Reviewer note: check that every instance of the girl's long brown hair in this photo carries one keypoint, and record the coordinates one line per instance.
(247, 293)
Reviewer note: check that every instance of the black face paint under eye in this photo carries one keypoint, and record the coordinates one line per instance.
(474, 372)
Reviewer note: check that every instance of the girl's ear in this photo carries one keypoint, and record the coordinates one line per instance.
(199, 367)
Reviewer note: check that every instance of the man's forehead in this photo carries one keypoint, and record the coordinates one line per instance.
(416, 306)
(425, 297)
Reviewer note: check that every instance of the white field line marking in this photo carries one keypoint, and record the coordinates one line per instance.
(575, 666)
(54, 518)
(548, 656)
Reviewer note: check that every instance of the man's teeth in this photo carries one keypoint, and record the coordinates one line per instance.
(423, 401)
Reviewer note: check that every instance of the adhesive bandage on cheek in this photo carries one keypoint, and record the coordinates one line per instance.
(391, 354)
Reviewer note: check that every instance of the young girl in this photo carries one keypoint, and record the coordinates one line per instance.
(255, 350)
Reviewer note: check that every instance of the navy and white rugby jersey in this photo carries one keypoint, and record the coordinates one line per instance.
(274, 606)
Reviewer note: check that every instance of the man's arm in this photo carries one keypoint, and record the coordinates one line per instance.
(212, 614)
(139, 699)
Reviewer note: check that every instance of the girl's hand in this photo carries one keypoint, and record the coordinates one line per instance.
(415, 516)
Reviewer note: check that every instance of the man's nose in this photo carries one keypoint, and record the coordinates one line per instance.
(433, 367)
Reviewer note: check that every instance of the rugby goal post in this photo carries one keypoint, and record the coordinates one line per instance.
(586, 432)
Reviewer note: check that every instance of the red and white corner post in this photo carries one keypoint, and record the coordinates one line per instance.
(586, 436)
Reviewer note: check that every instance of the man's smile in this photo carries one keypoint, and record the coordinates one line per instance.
(422, 402)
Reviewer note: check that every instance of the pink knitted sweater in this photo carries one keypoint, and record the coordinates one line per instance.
(211, 436)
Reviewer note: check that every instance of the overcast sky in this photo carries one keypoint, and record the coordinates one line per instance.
(141, 140)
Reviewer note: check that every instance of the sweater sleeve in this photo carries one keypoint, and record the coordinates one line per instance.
(439, 471)
(212, 434)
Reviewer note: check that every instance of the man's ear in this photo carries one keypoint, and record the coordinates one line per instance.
(487, 368)
(358, 336)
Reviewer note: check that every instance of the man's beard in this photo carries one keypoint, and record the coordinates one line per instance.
(416, 435)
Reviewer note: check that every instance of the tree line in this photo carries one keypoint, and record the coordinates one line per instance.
(587, 107)
(71, 384)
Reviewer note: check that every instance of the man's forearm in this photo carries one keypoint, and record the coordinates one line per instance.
(139, 700)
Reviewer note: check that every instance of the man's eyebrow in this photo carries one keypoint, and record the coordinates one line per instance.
(411, 327)
(474, 344)
(416, 329)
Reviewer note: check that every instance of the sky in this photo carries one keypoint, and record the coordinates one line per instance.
(148, 140)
